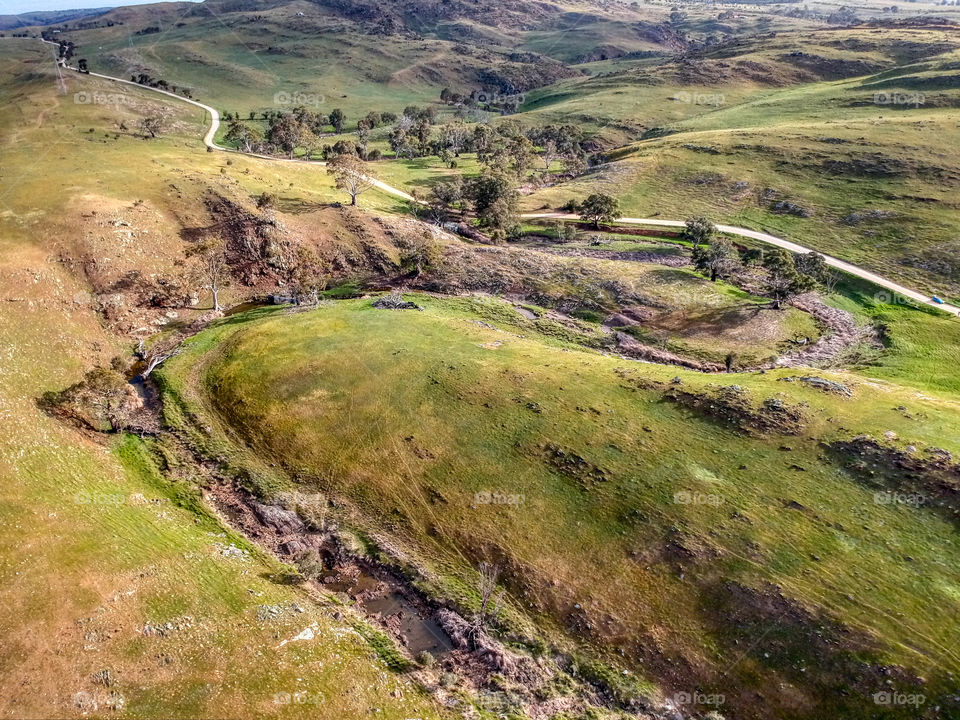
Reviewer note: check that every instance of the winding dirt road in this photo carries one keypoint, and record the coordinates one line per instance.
(893, 287)
(786, 245)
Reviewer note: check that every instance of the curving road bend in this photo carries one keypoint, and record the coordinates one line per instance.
(786, 245)
(208, 141)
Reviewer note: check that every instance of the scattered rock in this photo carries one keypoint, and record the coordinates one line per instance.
(395, 301)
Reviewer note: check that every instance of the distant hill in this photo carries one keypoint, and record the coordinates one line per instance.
(30, 19)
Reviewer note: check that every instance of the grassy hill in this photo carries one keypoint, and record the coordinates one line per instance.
(776, 542)
(769, 582)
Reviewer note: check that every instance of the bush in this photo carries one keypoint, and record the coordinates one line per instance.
(310, 564)
(425, 658)
(266, 200)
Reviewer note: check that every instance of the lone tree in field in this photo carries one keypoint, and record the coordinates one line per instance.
(783, 280)
(491, 597)
(151, 126)
(350, 174)
(718, 258)
(698, 231)
(599, 208)
(211, 268)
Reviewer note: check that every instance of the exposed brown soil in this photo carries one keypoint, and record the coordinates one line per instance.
(730, 405)
(929, 479)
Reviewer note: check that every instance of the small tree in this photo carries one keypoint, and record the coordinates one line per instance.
(717, 258)
(151, 126)
(698, 231)
(363, 135)
(266, 201)
(454, 137)
(338, 119)
(494, 199)
(491, 597)
(349, 173)
(419, 252)
(520, 151)
(308, 277)
(599, 208)
(550, 153)
(783, 280)
(211, 267)
(813, 265)
(243, 135)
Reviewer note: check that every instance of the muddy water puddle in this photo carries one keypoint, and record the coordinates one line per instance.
(418, 631)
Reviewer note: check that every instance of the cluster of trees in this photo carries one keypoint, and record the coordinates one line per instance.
(299, 128)
(65, 50)
(510, 147)
(478, 99)
(492, 196)
(158, 83)
(506, 148)
(786, 275)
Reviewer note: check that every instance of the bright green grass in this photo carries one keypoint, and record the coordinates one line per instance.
(389, 409)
